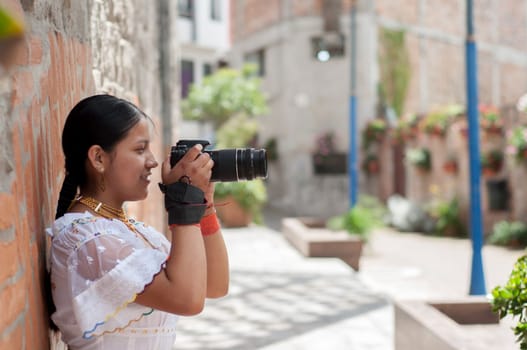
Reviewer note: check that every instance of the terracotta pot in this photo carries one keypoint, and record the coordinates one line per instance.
(489, 172)
(231, 214)
(373, 167)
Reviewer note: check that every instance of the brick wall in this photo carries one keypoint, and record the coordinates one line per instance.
(50, 71)
(70, 50)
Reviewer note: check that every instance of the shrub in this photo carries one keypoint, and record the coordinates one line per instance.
(509, 233)
(361, 219)
(511, 299)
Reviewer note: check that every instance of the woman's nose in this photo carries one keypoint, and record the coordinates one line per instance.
(151, 163)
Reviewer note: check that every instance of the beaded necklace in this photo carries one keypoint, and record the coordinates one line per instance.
(110, 212)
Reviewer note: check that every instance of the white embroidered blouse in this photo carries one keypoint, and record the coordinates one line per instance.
(98, 266)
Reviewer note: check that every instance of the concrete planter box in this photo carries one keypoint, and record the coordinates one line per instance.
(310, 237)
(467, 324)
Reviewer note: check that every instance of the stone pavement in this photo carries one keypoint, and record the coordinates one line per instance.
(280, 300)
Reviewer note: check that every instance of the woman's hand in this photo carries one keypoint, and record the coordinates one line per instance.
(195, 166)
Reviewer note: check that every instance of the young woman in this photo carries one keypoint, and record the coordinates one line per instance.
(117, 283)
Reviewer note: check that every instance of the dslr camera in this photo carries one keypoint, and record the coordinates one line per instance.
(229, 164)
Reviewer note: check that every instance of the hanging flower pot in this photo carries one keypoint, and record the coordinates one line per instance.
(420, 158)
(450, 166)
(370, 164)
(491, 162)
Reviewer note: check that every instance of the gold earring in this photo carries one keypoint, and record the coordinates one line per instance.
(102, 185)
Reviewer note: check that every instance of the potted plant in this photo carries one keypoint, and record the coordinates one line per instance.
(438, 121)
(490, 120)
(407, 128)
(491, 162)
(509, 233)
(446, 218)
(326, 158)
(420, 158)
(373, 132)
(517, 143)
(511, 299)
(359, 221)
(240, 203)
(230, 100)
(370, 164)
(450, 165)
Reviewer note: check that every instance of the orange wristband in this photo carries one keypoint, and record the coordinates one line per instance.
(209, 224)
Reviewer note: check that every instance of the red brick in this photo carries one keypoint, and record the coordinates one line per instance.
(8, 260)
(22, 87)
(35, 49)
(16, 295)
(14, 339)
(7, 212)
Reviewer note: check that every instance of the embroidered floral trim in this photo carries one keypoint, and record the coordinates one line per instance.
(89, 334)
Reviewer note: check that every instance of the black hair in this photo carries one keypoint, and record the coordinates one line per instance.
(102, 120)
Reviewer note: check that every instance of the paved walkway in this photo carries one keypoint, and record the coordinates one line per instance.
(280, 300)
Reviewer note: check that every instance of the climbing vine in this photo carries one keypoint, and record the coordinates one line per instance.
(394, 65)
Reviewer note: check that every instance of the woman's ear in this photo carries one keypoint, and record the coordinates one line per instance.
(97, 158)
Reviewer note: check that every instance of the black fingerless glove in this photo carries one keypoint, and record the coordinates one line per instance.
(184, 203)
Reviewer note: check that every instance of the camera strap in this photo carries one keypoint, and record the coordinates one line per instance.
(184, 203)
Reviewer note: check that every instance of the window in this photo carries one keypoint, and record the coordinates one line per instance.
(215, 10)
(187, 77)
(327, 46)
(207, 69)
(186, 8)
(257, 57)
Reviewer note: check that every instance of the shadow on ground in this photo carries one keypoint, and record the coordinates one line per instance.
(264, 308)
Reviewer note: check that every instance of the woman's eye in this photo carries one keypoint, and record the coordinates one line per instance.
(140, 150)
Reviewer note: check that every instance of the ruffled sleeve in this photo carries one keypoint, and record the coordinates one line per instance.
(108, 267)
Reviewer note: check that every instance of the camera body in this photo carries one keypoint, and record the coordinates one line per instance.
(234, 164)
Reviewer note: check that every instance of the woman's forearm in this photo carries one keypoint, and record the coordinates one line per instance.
(217, 265)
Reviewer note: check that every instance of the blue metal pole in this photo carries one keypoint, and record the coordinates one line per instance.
(477, 278)
(352, 160)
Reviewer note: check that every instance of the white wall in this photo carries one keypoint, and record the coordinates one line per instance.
(306, 98)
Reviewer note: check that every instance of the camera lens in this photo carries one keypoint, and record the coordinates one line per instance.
(238, 164)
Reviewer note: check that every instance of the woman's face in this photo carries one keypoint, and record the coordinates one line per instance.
(131, 161)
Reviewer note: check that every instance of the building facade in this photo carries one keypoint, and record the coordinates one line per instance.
(309, 94)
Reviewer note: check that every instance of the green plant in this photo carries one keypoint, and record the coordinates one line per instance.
(251, 195)
(407, 127)
(230, 99)
(419, 157)
(367, 214)
(446, 218)
(492, 160)
(517, 143)
(490, 118)
(509, 233)
(373, 132)
(511, 299)
(438, 121)
(10, 27)
(237, 132)
(225, 93)
(395, 70)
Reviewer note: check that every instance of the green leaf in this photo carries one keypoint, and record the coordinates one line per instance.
(9, 25)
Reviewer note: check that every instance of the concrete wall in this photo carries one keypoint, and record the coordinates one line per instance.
(308, 97)
(71, 49)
